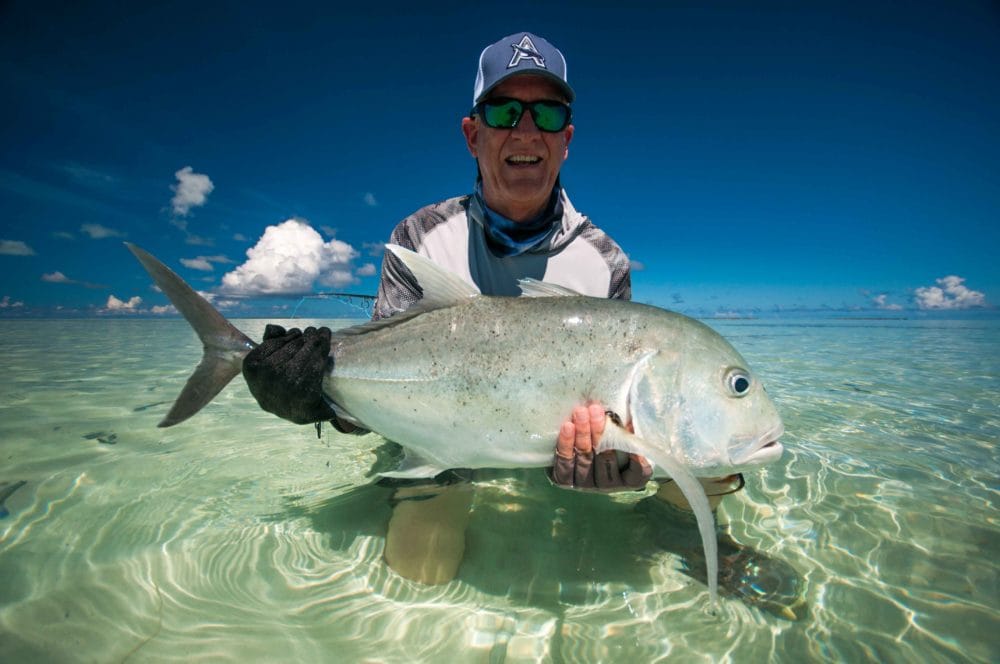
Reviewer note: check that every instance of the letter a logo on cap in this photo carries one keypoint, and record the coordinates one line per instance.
(525, 50)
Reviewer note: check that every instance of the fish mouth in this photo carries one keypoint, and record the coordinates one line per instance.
(762, 450)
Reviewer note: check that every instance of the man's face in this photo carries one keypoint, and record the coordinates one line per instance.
(519, 166)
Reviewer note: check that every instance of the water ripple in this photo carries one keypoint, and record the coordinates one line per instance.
(238, 537)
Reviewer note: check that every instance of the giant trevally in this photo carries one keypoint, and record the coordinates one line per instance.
(463, 380)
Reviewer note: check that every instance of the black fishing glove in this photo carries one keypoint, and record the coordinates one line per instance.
(600, 472)
(285, 373)
(576, 466)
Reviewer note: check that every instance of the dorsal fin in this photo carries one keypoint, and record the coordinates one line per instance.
(441, 288)
(535, 288)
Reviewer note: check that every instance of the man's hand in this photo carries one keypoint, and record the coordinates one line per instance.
(577, 467)
(285, 373)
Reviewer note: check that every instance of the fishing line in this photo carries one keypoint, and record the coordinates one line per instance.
(297, 305)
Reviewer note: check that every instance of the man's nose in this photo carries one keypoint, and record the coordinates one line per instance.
(526, 124)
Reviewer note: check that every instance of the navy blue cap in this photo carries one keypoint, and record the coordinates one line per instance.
(520, 53)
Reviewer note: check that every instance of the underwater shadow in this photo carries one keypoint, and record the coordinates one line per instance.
(544, 547)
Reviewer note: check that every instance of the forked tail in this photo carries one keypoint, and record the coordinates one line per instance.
(224, 345)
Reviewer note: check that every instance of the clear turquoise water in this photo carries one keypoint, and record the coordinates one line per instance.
(239, 537)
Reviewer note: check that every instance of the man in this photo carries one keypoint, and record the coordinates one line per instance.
(517, 223)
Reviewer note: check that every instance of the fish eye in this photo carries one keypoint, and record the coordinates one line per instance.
(738, 382)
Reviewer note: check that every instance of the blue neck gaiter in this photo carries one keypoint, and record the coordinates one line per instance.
(511, 238)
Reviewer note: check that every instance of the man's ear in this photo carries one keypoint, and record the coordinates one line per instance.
(567, 136)
(470, 128)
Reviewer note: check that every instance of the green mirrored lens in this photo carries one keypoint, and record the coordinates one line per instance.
(503, 115)
(549, 117)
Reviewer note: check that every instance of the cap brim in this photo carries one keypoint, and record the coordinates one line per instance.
(541, 73)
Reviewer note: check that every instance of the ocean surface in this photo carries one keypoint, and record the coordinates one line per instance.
(238, 537)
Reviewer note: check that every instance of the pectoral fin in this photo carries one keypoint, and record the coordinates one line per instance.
(616, 437)
(652, 397)
(413, 466)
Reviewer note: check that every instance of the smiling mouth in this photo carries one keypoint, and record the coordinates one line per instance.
(523, 160)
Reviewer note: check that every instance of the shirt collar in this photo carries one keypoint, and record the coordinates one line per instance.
(511, 238)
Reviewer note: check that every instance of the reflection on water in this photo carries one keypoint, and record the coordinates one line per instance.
(236, 536)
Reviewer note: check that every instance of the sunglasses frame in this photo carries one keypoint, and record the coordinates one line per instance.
(526, 107)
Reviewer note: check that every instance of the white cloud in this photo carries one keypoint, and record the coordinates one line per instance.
(7, 303)
(114, 304)
(636, 266)
(950, 293)
(198, 263)
(163, 309)
(192, 190)
(337, 278)
(63, 235)
(366, 270)
(289, 258)
(98, 232)
(369, 199)
(204, 262)
(240, 237)
(881, 302)
(15, 248)
(56, 278)
(218, 302)
(60, 278)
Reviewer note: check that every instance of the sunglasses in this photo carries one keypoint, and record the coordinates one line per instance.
(505, 113)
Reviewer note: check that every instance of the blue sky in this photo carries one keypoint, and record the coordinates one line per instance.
(750, 157)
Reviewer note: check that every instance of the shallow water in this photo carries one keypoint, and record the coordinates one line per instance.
(236, 536)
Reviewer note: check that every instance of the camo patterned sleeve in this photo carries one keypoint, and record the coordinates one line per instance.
(618, 265)
(578, 255)
(397, 289)
(621, 289)
(621, 280)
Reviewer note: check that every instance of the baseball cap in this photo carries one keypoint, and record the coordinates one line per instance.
(520, 53)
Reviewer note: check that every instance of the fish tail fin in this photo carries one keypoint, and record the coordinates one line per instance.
(224, 345)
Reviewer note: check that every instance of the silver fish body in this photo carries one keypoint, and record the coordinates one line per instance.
(488, 381)
(461, 380)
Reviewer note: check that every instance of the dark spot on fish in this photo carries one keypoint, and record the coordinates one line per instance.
(94, 434)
